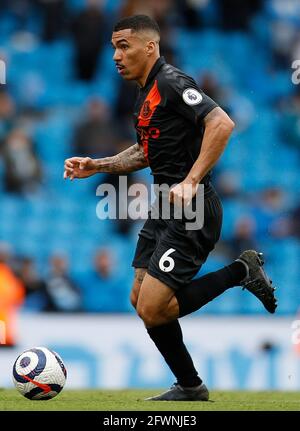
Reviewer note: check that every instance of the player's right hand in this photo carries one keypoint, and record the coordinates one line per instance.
(79, 167)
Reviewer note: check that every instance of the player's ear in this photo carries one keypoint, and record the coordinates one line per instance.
(150, 47)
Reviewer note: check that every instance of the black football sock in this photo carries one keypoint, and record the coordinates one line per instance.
(204, 289)
(169, 341)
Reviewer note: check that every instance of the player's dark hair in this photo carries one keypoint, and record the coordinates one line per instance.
(137, 23)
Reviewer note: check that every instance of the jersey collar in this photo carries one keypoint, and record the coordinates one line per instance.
(153, 72)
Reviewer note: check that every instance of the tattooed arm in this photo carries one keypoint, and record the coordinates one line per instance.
(130, 160)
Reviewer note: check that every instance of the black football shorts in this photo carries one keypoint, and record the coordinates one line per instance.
(173, 254)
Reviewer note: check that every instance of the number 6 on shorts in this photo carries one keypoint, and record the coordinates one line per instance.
(167, 259)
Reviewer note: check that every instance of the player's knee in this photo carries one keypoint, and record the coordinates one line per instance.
(149, 315)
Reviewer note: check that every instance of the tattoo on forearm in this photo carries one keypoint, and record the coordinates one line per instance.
(130, 160)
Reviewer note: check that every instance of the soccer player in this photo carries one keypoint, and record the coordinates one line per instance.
(181, 133)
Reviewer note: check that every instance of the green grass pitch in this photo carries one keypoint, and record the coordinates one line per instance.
(107, 400)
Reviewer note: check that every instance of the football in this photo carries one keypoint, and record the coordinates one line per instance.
(39, 374)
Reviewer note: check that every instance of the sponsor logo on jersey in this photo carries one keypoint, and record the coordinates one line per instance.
(145, 116)
(191, 96)
(146, 111)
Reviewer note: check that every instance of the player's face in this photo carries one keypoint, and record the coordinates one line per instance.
(130, 54)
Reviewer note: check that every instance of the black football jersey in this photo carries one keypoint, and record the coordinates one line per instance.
(168, 116)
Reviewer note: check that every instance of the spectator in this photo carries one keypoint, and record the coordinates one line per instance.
(61, 290)
(102, 287)
(123, 108)
(54, 16)
(236, 15)
(12, 294)
(209, 84)
(161, 12)
(135, 7)
(238, 106)
(96, 135)
(228, 184)
(189, 13)
(284, 31)
(22, 168)
(34, 285)
(7, 113)
(27, 273)
(269, 213)
(20, 10)
(290, 120)
(87, 31)
(243, 237)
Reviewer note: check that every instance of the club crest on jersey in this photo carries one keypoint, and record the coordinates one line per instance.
(191, 96)
(146, 111)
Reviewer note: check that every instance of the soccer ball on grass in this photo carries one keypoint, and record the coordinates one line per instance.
(39, 373)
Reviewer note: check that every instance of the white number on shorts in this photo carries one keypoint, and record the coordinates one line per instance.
(166, 258)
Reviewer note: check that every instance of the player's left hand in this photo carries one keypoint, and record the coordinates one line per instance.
(183, 193)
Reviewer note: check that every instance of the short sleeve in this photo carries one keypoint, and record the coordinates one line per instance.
(185, 97)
